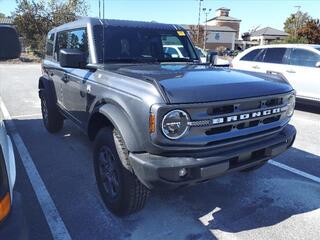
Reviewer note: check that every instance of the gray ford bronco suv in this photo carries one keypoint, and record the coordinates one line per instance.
(158, 120)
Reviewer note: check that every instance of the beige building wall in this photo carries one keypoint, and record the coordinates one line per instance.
(225, 39)
(233, 25)
(214, 46)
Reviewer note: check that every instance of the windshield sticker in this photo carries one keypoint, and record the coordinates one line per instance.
(181, 33)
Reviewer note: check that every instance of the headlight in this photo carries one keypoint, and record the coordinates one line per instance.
(291, 105)
(175, 124)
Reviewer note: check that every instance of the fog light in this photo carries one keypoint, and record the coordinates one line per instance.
(183, 172)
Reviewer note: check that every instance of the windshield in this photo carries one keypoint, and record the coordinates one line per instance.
(146, 45)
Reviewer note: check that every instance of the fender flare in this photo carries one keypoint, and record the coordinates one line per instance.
(121, 121)
(48, 86)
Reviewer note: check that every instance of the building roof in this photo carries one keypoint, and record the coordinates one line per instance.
(213, 28)
(223, 8)
(225, 18)
(268, 31)
(7, 21)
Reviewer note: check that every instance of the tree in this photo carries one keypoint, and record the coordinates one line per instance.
(193, 31)
(34, 19)
(310, 31)
(245, 36)
(295, 22)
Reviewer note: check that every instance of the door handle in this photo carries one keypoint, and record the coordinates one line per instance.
(256, 67)
(65, 78)
(291, 71)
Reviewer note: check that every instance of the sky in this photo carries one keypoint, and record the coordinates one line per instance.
(253, 13)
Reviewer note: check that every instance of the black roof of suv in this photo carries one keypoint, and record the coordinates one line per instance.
(116, 23)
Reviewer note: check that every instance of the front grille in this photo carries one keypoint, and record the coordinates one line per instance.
(228, 121)
(242, 115)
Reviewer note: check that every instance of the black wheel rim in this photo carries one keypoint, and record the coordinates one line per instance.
(44, 110)
(108, 172)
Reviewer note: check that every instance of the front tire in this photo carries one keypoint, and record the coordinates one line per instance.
(52, 118)
(120, 189)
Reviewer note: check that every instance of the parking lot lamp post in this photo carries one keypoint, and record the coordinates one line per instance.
(206, 12)
(297, 19)
(199, 16)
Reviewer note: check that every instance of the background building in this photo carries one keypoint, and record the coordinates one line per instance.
(220, 36)
(223, 19)
(268, 35)
(222, 30)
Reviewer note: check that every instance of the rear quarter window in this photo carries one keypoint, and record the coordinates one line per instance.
(304, 58)
(274, 55)
(251, 56)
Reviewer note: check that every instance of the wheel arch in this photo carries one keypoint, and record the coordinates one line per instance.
(110, 115)
(48, 86)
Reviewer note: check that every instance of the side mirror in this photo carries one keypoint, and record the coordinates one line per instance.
(212, 57)
(9, 43)
(318, 65)
(72, 58)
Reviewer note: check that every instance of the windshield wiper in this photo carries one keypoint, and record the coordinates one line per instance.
(131, 60)
(177, 60)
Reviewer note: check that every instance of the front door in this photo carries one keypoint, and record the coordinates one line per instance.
(74, 87)
(76, 91)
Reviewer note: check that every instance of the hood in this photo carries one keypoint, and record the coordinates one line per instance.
(189, 83)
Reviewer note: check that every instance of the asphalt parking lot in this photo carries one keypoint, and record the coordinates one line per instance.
(279, 201)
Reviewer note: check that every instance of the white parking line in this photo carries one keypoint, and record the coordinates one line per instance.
(54, 220)
(294, 170)
(37, 115)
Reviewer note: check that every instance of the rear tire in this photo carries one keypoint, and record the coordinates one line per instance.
(52, 118)
(120, 189)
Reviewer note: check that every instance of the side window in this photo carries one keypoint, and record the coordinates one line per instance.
(274, 55)
(73, 39)
(199, 52)
(251, 55)
(77, 39)
(49, 46)
(260, 56)
(301, 57)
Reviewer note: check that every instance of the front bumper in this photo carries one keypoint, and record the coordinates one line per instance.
(156, 171)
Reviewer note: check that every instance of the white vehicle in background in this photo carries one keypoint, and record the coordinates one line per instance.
(178, 51)
(175, 51)
(298, 63)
